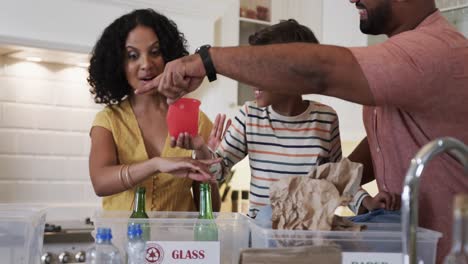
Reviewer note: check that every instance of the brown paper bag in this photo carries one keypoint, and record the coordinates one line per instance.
(309, 203)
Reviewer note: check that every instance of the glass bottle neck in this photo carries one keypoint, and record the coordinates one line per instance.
(206, 210)
(139, 202)
(460, 233)
(139, 210)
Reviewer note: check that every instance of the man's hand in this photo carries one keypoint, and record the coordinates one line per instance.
(180, 77)
(383, 200)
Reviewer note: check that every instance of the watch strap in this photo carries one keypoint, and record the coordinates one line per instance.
(210, 70)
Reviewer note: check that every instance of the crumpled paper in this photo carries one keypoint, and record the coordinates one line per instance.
(309, 203)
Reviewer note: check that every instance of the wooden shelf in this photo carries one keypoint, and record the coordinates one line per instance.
(255, 21)
(247, 27)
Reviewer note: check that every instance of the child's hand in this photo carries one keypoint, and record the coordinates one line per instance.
(383, 200)
(218, 131)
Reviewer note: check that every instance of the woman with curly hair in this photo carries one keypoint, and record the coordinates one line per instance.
(129, 138)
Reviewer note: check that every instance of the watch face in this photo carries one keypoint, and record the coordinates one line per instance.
(202, 47)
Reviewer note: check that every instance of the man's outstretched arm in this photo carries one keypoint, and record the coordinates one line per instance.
(301, 68)
(297, 68)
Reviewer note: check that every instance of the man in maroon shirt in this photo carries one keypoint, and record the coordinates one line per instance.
(414, 88)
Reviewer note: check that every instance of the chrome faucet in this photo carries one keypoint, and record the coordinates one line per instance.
(410, 194)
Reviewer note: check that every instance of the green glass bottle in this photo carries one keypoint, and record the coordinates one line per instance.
(206, 230)
(140, 212)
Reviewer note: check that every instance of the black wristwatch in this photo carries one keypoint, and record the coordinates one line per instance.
(207, 62)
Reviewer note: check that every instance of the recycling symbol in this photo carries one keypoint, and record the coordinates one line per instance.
(154, 254)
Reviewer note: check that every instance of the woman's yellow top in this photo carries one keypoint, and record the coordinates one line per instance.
(164, 192)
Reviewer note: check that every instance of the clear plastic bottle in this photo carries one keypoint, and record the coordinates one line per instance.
(103, 251)
(135, 245)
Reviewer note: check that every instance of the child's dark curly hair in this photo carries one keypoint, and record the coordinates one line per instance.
(285, 31)
(107, 70)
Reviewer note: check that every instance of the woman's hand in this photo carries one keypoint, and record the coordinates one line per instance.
(198, 170)
(383, 200)
(186, 141)
(203, 150)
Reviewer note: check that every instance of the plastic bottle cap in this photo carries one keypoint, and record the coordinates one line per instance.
(104, 233)
(134, 230)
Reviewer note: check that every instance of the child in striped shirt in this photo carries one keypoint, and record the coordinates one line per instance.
(282, 134)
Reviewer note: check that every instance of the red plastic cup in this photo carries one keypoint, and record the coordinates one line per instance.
(182, 116)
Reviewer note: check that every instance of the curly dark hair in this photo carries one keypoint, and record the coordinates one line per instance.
(285, 31)
(107, 77)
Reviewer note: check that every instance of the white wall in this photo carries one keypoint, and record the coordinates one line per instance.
(450, 3)
(221, 95)
(340, 26)
(46, 111)
(306, 12)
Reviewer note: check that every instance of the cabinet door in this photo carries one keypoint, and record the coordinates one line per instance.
(246, 29)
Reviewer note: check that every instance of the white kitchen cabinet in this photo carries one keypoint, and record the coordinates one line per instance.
(249, 23)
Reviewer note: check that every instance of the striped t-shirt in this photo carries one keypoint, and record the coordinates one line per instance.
(280, 146)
